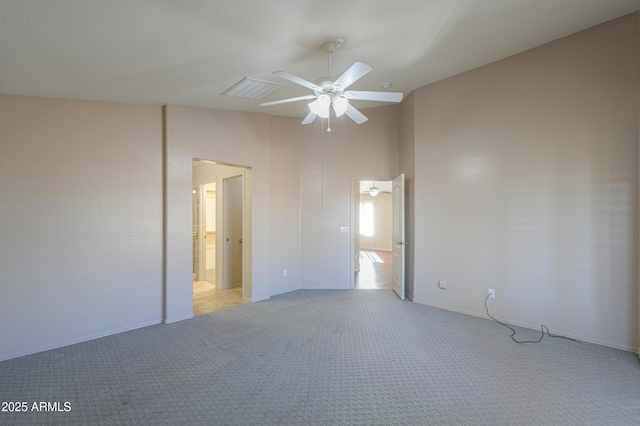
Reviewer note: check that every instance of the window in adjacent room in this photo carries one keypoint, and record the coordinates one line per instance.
(366, 219)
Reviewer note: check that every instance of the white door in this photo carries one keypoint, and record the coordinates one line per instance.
(356, 227)
(399, 243)
(233, 232)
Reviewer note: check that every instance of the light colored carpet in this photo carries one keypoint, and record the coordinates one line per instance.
(360, 357)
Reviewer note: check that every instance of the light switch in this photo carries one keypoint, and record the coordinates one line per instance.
(442, 285)
(344, 229)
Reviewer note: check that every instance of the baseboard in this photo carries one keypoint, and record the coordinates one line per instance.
(63, 343)
(533, 327)
(177, 319)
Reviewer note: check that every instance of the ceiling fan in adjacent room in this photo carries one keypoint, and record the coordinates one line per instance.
(330, 92)
(374, 188)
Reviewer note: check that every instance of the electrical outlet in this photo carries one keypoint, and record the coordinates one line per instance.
(442, 285)
(492, 293)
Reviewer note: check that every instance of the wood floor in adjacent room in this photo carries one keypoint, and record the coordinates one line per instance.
(375, 273)
(375, 270)
(207, 298)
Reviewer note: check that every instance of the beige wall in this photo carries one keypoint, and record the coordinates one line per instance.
(82, 197)
(229, 137)
(284, 206)
(80, 221)
(526, 181)
(329, 163)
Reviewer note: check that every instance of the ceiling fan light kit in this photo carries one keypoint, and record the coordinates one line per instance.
(321, 106)
(331, 93)
(339, 104)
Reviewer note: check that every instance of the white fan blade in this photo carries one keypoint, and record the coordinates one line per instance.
(355, 115)
(295, 79)
(309, 118)
(355, 72)
(374, 96)
(284, 101)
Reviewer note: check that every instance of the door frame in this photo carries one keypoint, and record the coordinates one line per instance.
(201, 234)
(247, 220)
(355, 198)
(398, 235)
(224, 270)
(202, 267)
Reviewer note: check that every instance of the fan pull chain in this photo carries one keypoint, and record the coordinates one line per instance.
(322, 174)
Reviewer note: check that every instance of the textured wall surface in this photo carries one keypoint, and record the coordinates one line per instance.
(284, 205)
(527, 182)
(80, 221)
(229, 137)
(329, 163)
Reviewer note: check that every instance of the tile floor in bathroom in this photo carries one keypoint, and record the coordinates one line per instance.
(207, 298)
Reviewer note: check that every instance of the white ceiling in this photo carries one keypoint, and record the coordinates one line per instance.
(187, 52)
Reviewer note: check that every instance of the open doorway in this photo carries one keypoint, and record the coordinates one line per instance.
(219, 214)
(373, 224)
(204, 213)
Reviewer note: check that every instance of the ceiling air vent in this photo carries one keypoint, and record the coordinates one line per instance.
(250, 88)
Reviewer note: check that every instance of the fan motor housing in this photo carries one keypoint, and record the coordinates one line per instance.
(326, 86)
(332, 45)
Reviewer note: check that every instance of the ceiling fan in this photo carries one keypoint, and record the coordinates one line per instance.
(373, 190)
(330, 92)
